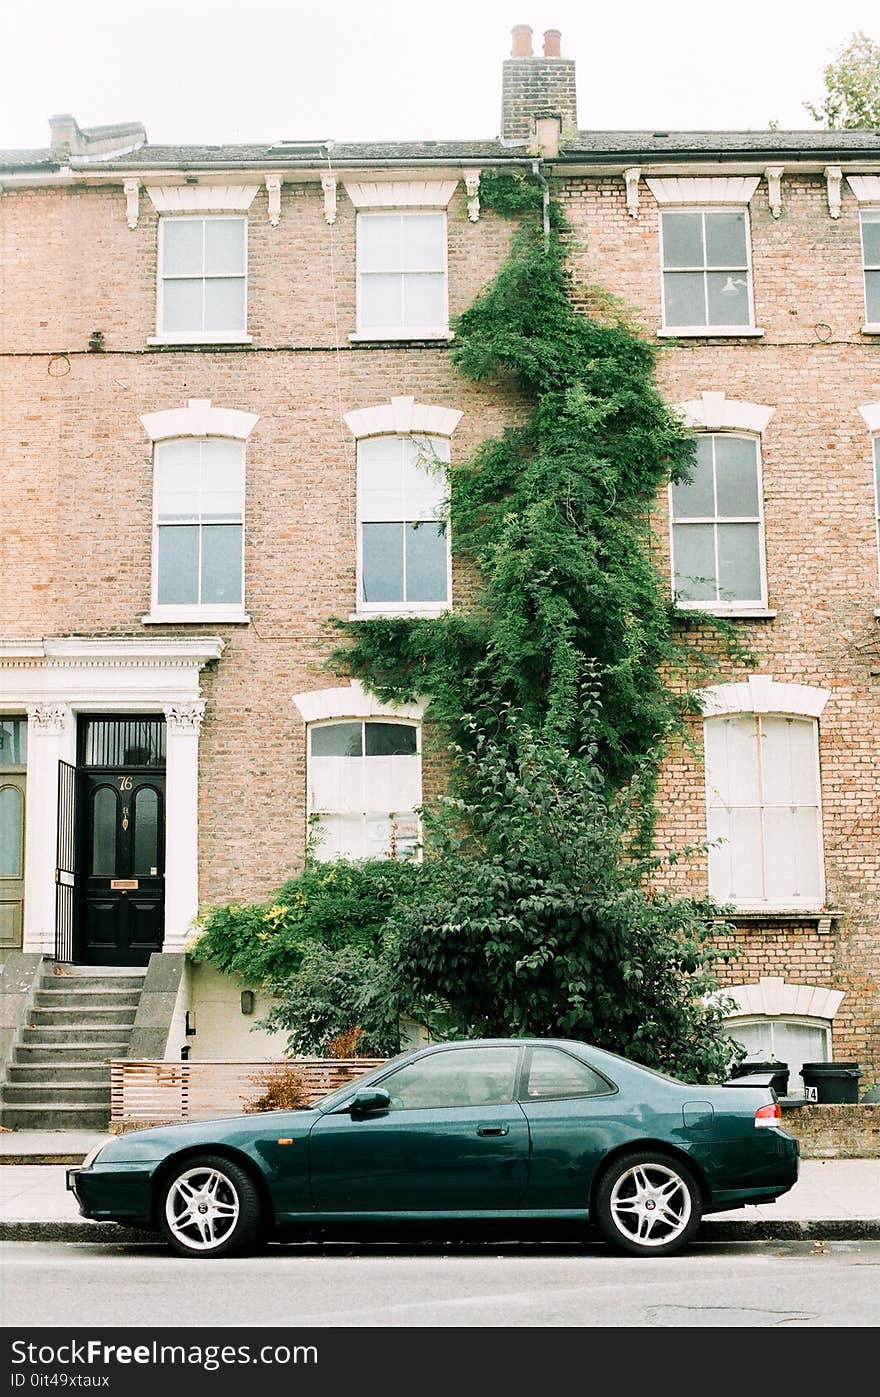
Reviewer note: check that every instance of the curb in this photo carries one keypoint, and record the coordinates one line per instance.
(804, 1230)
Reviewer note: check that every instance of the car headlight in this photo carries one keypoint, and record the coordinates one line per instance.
(93, 1154)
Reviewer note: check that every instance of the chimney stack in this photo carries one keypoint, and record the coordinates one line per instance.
(522, 41)
(535, 89)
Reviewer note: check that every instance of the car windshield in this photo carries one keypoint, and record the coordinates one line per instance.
(334, 1098)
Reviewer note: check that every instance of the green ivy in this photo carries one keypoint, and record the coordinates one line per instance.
(554, 518)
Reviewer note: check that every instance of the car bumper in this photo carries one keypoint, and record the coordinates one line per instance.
(120, 1194)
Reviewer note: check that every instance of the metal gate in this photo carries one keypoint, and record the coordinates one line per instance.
(65, 864)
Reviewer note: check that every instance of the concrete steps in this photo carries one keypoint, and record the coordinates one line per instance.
(59, 1077)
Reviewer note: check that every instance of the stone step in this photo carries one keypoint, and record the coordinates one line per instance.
(78, 1000)
(78, 1018)
(70, 1072)
(47, 1115)
(66, 1053)
(63, 1093)
(113, 1035)
(87, 983)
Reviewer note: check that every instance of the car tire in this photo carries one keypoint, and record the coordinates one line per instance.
(648, 1204)
(209, 1207)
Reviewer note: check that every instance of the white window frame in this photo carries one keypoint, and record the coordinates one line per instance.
(363, 719)
(403, 608)
(194, 611)
(697, 330)
(397, 332)
(870, 326)
(793, 903)
(732, 1025)
(725, 607)
(197, 336)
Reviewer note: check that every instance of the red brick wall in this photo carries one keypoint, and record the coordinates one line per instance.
(77, 490)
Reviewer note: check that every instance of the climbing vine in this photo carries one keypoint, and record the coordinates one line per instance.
(554, 521)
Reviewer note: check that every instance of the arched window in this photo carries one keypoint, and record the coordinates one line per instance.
(403, 555)
(718, 526)
(365, 785)
(198, 512)
(763, 795)
(789, 1023)
(717, 516)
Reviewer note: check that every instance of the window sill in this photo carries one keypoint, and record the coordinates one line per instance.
(823, 916)
(871, 329)
(736, 613)
(708, 332)
(196, 615)
(429, 613)
(407, 336)
(183, 340)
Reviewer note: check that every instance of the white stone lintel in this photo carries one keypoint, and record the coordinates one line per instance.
(352, 701)
(761, 693)
(202, 198)
(402, 416)
(717, 412)
(199, 419)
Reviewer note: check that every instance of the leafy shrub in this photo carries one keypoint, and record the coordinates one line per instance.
(336, 904)
(283, 1090)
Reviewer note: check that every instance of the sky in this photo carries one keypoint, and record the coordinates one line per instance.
(219, 71)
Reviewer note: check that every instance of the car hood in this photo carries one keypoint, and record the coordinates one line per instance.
(242, 1131)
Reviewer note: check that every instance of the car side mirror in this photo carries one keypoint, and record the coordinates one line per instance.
(369, 1101)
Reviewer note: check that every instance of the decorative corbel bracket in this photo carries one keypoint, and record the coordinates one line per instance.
(472, 185)
(833, 177)
(328, 184)
(773, 175)
(632, 177)
(132, 188)
(273, 188)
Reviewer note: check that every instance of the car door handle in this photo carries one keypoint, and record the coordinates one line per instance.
(493, 1129)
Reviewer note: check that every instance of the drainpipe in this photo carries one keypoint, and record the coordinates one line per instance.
(545, 191)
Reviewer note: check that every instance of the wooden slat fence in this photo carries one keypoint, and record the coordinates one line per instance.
(145, 1092)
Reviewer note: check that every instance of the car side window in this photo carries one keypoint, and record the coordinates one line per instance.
(551, 1073)
(459, 1077)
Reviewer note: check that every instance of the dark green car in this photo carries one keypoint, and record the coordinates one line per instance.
(512, 1130)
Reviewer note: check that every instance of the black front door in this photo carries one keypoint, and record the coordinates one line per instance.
(123, 858)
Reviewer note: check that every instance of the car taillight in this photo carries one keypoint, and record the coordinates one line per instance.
(768, 1115)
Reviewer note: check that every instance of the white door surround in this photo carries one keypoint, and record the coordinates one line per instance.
(52, 680)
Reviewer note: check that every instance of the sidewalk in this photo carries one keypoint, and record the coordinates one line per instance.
(834, 1199)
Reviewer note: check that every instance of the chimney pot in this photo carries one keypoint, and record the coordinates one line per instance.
(552, 43)
(522, 41)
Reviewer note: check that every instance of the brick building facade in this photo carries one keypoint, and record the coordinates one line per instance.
(203, 350)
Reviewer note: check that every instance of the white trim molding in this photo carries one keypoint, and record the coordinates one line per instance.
(865, 187)
(833, 180)
(201, 198)
(631, 179)
(353, 701)
(402, 416)
(773, 175)
(131, 188)
(715, 412)
(400, 194)
(199, 419)
(761, 693)
(871, 414)
(709, 189)
(771, 996)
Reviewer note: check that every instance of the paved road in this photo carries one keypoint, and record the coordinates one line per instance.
(785, 1285)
